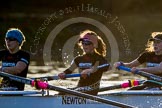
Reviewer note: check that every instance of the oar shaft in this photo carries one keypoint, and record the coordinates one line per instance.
(68, 75)
(150, 76)
(110, 88)
(130, 83)
(31, 82)
(57, 77)
(16, 78)
(142, 73)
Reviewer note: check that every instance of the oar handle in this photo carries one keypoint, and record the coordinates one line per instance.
(142, 73)
(124, 68)
(72, 75)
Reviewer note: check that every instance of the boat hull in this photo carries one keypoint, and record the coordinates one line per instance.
(140, 99)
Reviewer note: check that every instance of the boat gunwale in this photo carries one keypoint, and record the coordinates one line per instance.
(118, 93)
(135, 92)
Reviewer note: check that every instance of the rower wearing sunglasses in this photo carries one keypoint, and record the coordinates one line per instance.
(152, 58)
(14, 60)
(94, 51)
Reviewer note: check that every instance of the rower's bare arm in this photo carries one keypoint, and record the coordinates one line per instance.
(153, 70)
(131, 64)
(20, 66)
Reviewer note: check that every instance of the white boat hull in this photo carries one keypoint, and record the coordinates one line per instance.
(140, 99)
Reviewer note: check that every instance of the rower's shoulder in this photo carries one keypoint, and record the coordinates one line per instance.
(24, 53)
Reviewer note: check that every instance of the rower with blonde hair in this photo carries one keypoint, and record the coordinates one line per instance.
(152, 56)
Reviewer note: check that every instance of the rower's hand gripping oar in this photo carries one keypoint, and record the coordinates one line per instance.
(45, 85)
(142, 73)
(67, 75)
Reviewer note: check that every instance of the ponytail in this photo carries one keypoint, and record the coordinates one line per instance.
(101, 49)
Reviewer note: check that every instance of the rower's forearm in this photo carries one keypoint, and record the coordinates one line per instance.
(152, 70)
(11, 70)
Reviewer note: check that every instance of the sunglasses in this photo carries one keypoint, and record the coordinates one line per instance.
(86, 43)
(10, 39)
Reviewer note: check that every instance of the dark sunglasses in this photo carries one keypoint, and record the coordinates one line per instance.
(86, 43)
(10, 39)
